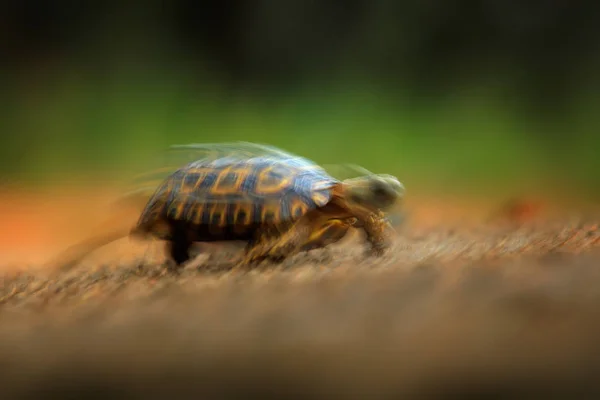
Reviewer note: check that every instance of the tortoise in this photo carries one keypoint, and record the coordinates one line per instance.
(247, 191)
(278, 202)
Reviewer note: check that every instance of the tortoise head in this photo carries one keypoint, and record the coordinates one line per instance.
(374, 191)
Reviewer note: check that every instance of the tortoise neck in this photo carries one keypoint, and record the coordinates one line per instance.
(339, 190)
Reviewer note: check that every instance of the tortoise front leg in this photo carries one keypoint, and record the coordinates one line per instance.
(379, 233)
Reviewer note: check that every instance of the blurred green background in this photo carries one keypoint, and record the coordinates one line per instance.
(464, 95)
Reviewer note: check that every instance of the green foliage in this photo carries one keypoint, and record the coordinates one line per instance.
(472, 139)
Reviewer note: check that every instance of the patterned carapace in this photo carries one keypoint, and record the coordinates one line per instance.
(228, 197)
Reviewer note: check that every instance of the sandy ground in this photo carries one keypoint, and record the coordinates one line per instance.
(478, 298)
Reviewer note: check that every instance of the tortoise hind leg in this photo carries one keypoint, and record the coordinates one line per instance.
(179, 244)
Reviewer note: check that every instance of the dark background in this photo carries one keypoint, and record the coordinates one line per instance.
(469, 91)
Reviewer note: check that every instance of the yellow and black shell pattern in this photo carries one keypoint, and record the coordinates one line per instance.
(164, 163)
(230, 197)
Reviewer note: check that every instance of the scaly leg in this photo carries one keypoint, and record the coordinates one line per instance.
(278, 248)
(379, 233)
(331, 232)
(179, 244)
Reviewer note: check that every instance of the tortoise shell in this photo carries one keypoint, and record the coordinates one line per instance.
(228, 198)
(164, 163)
